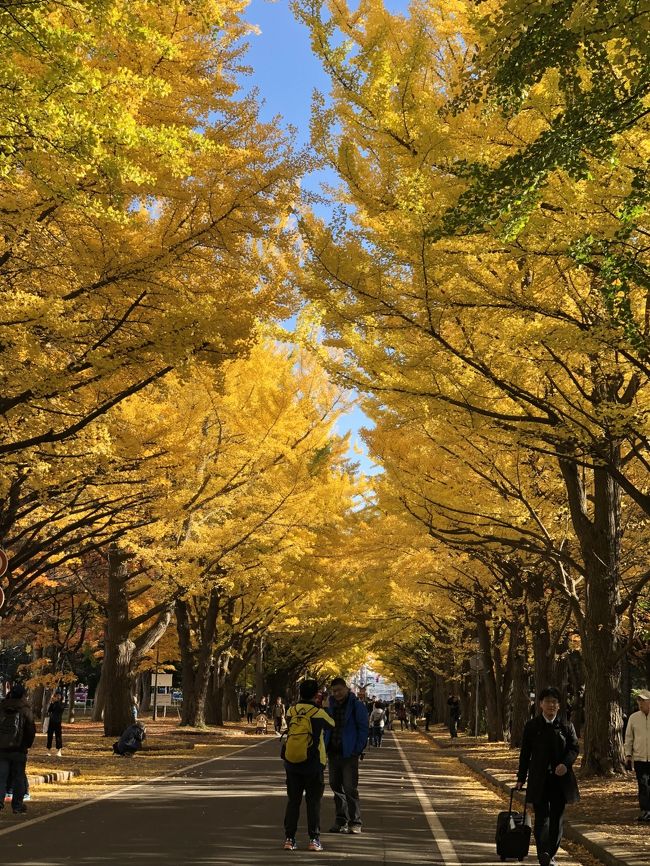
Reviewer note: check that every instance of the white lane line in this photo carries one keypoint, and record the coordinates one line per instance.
(19, 825)
(445, 846)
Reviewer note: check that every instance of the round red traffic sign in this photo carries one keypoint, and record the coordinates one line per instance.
(4, 562)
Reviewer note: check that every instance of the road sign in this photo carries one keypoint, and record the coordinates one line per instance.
(4, 562)
(476, 662)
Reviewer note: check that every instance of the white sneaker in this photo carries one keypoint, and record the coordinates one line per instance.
(59, 753)
(49, 754)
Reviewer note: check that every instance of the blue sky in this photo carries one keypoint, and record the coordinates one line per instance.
(286, 73)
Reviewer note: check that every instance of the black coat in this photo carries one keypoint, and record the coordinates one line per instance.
(546, 745)
(55, 712)
(20, 705)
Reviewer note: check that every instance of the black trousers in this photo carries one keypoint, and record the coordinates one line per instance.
(642, 770)
(312, 786)
(54, 730)
(549, 817)
(12, 765)
(344, 782)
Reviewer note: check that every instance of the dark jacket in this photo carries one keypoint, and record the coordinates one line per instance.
(544, 746)
(131, 739)
(20, 705)
(354, 731)
(55, 711)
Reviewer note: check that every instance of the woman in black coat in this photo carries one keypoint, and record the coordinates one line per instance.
(54, 725)
(548, 751)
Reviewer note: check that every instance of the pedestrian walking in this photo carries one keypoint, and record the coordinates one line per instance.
(17, 733)
(401, 715)
(305, 757)
(637, 751)
(377, 720)
(251, 706)
(414, 712)
(134, 707)
(453, 713)
(279, 713)
(54, 724)
(548, 751)
(346, 745)
(243, 701)
(428, 710)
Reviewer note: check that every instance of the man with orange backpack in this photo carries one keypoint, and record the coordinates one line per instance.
(304, 751)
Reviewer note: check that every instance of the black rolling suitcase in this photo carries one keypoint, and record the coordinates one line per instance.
(513, 833)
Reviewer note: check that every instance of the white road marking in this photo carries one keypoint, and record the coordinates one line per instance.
(117, 791)
(444, 843)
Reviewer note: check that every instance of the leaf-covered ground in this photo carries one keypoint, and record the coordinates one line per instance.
(85, 749)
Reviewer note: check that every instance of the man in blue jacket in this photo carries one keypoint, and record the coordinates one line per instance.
(347, 742)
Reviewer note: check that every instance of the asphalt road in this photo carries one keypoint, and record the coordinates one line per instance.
(418, 806)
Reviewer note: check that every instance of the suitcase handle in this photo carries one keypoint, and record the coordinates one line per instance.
(512, 794)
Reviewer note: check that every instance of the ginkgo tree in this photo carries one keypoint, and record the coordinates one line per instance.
(143, 210)
(505, 326)
(249, 474)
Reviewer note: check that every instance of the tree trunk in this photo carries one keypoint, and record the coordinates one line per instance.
(122, 654)
(98, 703)
(543, 663)
(230, 700)
(196, 663)
(37, 694)
(519, 700)
(145, 689)
(259, 669)
(119, 680)
(599, 629)
(576, 680)
(494, 718)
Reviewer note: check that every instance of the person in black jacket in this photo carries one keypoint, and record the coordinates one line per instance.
(548, 751)
(16, 720)
(55, 716)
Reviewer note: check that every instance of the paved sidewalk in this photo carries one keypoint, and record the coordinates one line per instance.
(612, 852)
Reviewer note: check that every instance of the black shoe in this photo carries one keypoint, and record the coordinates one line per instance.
(544, 859)
(339, 828)
(20, 810)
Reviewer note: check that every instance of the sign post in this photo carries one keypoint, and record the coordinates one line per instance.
(476, 665)
(4, 565)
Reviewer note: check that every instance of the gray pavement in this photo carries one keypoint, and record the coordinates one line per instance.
(419, 806)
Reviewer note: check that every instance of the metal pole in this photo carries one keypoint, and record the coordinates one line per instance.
(155, 684)
(476, 701)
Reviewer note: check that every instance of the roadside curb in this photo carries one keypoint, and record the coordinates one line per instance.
(587, 839)
(53, 777)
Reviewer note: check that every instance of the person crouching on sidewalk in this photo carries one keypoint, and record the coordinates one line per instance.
(548, 750)
(637, 751)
